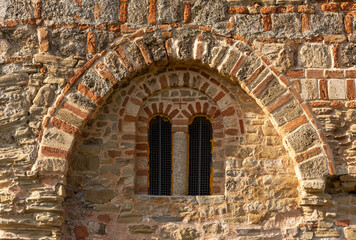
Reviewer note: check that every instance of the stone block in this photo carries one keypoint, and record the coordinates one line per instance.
(326, 23)
(165, 219)
(67, 42)
(59, 11)
(44, 97)
(244, 28)
(186, 234)
(213, 228)
(57, 138)
(99, 195)
(4, 47)
(272, 92)
(135, 11)
(209, 12)
(129, 217)
(313, 186)
(51, 165)
(348, 54)
(337, 89)
(315, 56)
(142, 229)
(81, 101)
(16, 9)
(217, 199)
(350, 233)
(286, 25)
(96, 83)
(303, 138)
(69, 118)
(155, 44)
(251, 63)
(287, 113)
(115, 66)
(85, 163)
(314, 168)
(169, 11)
(309, 89)
(180, 149)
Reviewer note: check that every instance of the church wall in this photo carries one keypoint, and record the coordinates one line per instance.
(44, 43)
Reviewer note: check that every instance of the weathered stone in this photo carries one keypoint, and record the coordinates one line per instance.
(17, 9)
(209, 12)
(96, 83)
(99, 195)
(167, 219)
(169, 11)
(179, 163)
(129, 217)
(244, 27)
(315, 56)
(187, 234)
(313, 185)
(326, 23)
(210, 199)
(135, 10)
(337, 89)
(348, 54)
(350, 233)
(213, 228)
(309, 89)
(286, 25)
(303, 138)
(142, 229)
(272, 92)
(85, 163)
(287, 113)
(313, 168)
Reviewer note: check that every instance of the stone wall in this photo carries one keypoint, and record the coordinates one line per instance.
(76, 74)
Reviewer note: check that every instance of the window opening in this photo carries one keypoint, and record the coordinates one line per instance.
(200, 156)
(160, 155)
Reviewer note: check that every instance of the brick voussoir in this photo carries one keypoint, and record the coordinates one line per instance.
(90, 94)
(262, 85)
(123, 59)
(294, 124)
(54, 152)
(279, 101)
(144, 51)
(103, 70)
(308, 154)
(61, 125)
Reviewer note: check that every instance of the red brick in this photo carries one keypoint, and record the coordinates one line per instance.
(54, 152)
(90, 94)
(344, 223)
(350, 89)
(237, 65)
(334, 38)
(334, 73)
(88, 64)
(351, 104)
(336, 104)
(295, 73)
(104, 218)
(330, 7)
(279, 102)
(305, 23)
(232, 131)
(163, 81)
(308, 154)
(168, 108)
(267, 10)
(145, 52)
(91, 42)
(350, 73)
(348, 24)
(106, 74)
(238, 10)
(267, 22)
(55, 122)
(289, 127)
(290, 9)
(263, 85)
(228, 112)
(319, 104)
(81, 232)
(123, 13)
(348, 6)
(125, 61)
(242, 128)
(312, 73)
(307, 110)
(187, 12)
(219, 96)
(38, 6)
(323, 89)
(113, 27)
(199, 51)
(173, 113)
(306, 9)
(75, 110)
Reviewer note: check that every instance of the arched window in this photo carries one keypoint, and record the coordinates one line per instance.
(160, 155)
(200, 156)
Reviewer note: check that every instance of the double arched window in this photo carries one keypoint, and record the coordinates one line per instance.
(199, 165)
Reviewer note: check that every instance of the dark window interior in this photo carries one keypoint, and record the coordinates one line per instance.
(200, 156)
(160, 156)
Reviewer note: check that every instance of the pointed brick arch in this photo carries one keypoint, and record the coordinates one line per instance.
(151, 49)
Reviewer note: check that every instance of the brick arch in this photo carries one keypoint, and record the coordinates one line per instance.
(152, 49)
(180, 117)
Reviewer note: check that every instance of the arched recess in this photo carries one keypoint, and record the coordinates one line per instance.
(151, 49)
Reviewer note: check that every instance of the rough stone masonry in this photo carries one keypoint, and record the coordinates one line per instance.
(80, 79)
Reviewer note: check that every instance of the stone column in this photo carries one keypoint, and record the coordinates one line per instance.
(180, 152)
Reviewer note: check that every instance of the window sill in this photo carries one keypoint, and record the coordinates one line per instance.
(206, 199)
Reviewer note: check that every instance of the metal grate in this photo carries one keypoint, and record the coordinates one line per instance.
(160, 157)
(200, 156)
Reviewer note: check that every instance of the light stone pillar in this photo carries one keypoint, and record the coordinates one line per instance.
(180, 152)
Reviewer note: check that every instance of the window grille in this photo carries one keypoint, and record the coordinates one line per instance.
(160, 156)
(200, 156)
